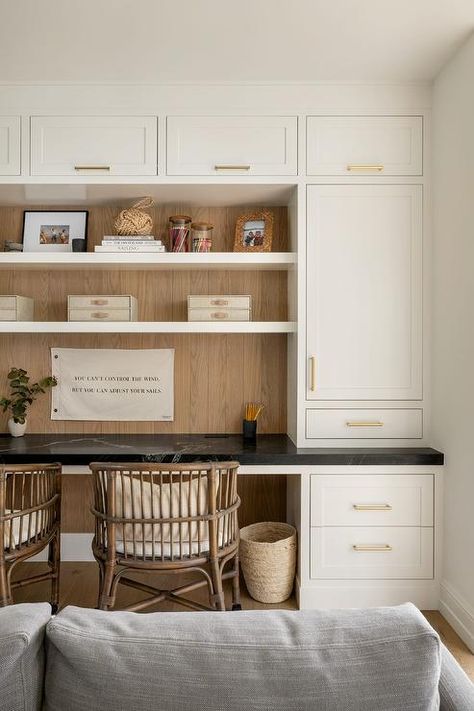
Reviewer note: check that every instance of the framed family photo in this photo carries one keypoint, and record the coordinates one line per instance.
(254, 232)
(53, 230)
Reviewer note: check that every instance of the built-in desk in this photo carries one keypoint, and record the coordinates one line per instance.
(272, 450)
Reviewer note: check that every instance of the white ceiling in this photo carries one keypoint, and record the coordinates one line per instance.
(229, 40)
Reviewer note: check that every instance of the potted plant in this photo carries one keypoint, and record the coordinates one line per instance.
(21, 396)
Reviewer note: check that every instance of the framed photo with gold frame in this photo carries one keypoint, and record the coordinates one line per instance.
(254, 232)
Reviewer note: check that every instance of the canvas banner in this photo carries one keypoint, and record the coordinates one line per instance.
(114, 385)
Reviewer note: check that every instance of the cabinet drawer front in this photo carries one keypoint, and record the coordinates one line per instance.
(16, 308)
(372, 553)
(364, 424)
(219, 301)
(8, 302)
(364, 145)
(93, 145)
(231, 145)
(99, 302)
(218, 313)
(10, 145)
(372, 500)
(101, 314)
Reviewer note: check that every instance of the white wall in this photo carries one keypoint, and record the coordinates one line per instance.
(453, 328)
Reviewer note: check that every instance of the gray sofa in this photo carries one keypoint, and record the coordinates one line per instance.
(356, 660)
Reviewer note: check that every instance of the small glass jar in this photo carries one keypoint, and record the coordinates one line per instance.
(179, 226)
(201, 236)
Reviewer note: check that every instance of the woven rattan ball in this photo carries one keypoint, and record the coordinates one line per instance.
(134, 221)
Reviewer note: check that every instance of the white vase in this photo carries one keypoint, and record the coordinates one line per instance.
(16, 429)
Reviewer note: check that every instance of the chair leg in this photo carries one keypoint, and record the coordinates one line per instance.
(106, 601)
(5, 588)
(236, 605)
(218, 598)
(54, 560)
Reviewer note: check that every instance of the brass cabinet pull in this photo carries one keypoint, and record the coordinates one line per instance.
(219, 302)
(91, 167)
(231, 167)
(376, 547)
(356, 423)
(362, 168)
(220, 314)
(312, 362)
(372, 507)
(100, 314)
(99, 302)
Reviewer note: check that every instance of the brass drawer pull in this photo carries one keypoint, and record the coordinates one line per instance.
(100, 314)
(377, 548)
(99, 302)
(362, 168)
(372, 507)
(220, 314)
(231, 167)
(91, 167)
(219, 302)
(312, 361)
(355, 423)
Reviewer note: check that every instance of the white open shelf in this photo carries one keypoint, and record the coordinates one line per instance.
(147, 327)
(166, 260)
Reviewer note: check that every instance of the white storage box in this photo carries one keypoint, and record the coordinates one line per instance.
(219, 308)
(102, 308)
(16, 308)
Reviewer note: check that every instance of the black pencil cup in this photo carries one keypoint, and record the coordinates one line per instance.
(249, 430)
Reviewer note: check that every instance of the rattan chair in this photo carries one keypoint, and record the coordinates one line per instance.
(30, 520)
(166, 519)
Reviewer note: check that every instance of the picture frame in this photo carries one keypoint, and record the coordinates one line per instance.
(53, 230)
(254, 232)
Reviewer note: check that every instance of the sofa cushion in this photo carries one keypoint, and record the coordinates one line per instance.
(385, 659)
(22, 629)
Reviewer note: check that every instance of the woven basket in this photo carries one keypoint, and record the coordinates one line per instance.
(268, 558)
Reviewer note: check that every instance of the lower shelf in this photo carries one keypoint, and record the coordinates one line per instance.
(147, 327)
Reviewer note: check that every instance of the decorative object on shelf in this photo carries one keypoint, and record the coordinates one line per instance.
(201, 236)
(249, 423)
(22, 395)
(113, 385)
(133, 220)
(53, 230)
(12, 246)
(219, 308)
(268, 560)
(102, 308)
(179, 226)
(254, 232)
(16, 308)
(79, 245)
(131, 243)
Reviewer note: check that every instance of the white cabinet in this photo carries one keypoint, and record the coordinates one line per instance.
(364, 145)
(9, 145)
(231, 145)
(364, 292)
(93, 145)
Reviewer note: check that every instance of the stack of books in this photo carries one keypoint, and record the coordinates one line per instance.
(131, 243)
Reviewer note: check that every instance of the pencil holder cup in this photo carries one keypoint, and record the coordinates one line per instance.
(249, 430)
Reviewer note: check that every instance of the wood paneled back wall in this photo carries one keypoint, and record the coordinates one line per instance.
(214, 374)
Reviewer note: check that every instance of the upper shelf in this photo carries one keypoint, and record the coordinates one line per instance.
(147, 327)
(164, 261)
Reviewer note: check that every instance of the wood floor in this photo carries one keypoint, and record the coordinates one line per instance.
(79, 585)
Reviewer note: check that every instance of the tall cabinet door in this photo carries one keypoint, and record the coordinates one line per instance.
(364, 292)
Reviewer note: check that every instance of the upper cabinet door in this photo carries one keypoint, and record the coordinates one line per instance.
(364, 292)
(364, 145)
(10, 145)
(93, 145)
(231, 145)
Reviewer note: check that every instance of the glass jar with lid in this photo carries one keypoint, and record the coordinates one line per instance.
(179, 226)
(201, 236)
